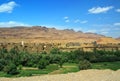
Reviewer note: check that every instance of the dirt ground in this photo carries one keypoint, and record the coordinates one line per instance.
(85, 75)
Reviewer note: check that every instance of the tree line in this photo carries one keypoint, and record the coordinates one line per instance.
(12, 61)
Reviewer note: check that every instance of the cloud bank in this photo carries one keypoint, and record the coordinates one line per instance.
(97, 10)
(12, 24)
(7, 7)
(117, 10)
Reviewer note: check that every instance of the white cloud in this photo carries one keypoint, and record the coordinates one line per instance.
(83, 22)
(67, 20)
(116, 24)
(7, 7)
(104, 32)
(79, 21)
(117, 10)
(92, 31)
(12, 24)
(97, 10)
(66, 17)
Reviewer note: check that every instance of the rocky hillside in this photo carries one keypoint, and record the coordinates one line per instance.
(118, 38)
(43, 34)
(39, 32)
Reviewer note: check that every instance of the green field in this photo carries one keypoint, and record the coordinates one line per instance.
(67, 68)
(107, 65)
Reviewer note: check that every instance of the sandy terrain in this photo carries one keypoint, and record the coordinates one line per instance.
(85, 75)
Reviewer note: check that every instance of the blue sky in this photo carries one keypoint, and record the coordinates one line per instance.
(97, 16)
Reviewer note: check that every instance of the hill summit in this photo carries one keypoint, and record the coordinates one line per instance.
(39, 32)
(42, 34)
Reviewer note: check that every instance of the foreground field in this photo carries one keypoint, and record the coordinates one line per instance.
(67, 68)
(84, 75)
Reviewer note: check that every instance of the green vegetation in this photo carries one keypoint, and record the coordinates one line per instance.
(67, 68)
(34, 71)
(84, 64)
(106, 65)
(42, 64)
(11, 69)
(13, 62)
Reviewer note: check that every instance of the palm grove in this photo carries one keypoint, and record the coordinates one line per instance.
(12, 61)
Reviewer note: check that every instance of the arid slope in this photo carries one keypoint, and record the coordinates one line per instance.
(44, 34)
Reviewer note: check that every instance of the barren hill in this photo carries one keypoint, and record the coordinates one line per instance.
(118, 38)
(107, 40)
(44, 34)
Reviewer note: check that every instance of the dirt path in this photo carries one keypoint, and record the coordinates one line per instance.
(85, 75)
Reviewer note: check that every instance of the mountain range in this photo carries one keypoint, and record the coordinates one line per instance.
(38, 33)
(44, 33)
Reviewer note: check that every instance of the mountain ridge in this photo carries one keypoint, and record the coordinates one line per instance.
(42, 31)
(42, 34)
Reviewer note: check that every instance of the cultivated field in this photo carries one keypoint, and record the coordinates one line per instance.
(85, 75)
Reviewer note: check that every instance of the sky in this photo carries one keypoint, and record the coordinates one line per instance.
(96, 16)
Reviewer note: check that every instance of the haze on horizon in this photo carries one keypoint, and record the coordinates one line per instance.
(96, 16)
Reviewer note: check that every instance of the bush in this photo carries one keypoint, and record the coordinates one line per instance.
(55, 51)
(20, 67)
(83, 65)
(1, 67)
(2, 64)
(61, 62)
(11, 69)
(42, 64)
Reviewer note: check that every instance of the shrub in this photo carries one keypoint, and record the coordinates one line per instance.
(55, 51)
(83, 65)
(1, 67)
(42, 64)
(2, 64)
(61, 62)
(20, 67)
(11, 69)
